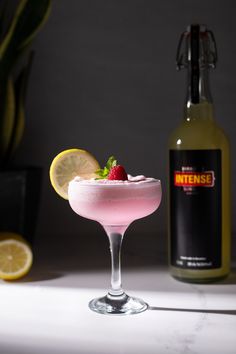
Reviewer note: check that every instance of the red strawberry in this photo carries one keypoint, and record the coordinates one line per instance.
(118, 173)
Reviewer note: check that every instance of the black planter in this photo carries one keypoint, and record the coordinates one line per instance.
(19, 200)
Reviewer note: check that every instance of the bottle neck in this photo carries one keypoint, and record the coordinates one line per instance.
(198, 103)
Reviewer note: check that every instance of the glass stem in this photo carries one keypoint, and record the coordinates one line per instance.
(115, 235)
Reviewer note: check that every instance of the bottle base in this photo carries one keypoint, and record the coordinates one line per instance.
(200, 280)
(204, 276)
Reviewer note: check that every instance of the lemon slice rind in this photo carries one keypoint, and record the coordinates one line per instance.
(15, 259)
(67, 165)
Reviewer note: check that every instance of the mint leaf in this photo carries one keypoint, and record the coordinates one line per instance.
(111, 162)
(104, 172)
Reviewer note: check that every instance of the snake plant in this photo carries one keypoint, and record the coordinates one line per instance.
(17, 31)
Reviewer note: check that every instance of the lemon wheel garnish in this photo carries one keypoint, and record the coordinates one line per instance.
(69, 164)
(15, 259)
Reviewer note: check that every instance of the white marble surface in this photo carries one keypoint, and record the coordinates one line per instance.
(47, 313)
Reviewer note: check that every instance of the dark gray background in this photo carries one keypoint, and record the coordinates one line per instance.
(104, 79)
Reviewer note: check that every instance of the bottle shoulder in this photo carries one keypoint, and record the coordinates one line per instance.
(198, 134)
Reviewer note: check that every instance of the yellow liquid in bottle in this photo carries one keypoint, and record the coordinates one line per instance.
(198, 131)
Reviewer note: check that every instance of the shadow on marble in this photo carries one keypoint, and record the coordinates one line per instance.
(36, 276)
(216, 312)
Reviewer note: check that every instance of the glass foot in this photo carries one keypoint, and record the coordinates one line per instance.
(118, 305)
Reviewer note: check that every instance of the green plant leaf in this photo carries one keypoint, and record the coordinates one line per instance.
(29, 17)
(8, 38)
(32, 19)
(20, 94)
(18, 129)
(7, 118)
(3, 15)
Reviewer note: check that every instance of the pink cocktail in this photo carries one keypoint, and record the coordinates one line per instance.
(114, 202)
(115, 205)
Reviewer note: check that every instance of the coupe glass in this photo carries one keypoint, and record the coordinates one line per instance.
(115, 205)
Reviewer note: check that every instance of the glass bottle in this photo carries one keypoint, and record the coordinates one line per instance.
(199, 172)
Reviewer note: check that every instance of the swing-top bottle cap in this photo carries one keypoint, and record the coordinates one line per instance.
(196, 46)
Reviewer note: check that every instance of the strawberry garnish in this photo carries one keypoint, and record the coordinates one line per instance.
(112, 171)
(118, 173)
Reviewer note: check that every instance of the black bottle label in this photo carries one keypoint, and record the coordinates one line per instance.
(195, 209)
